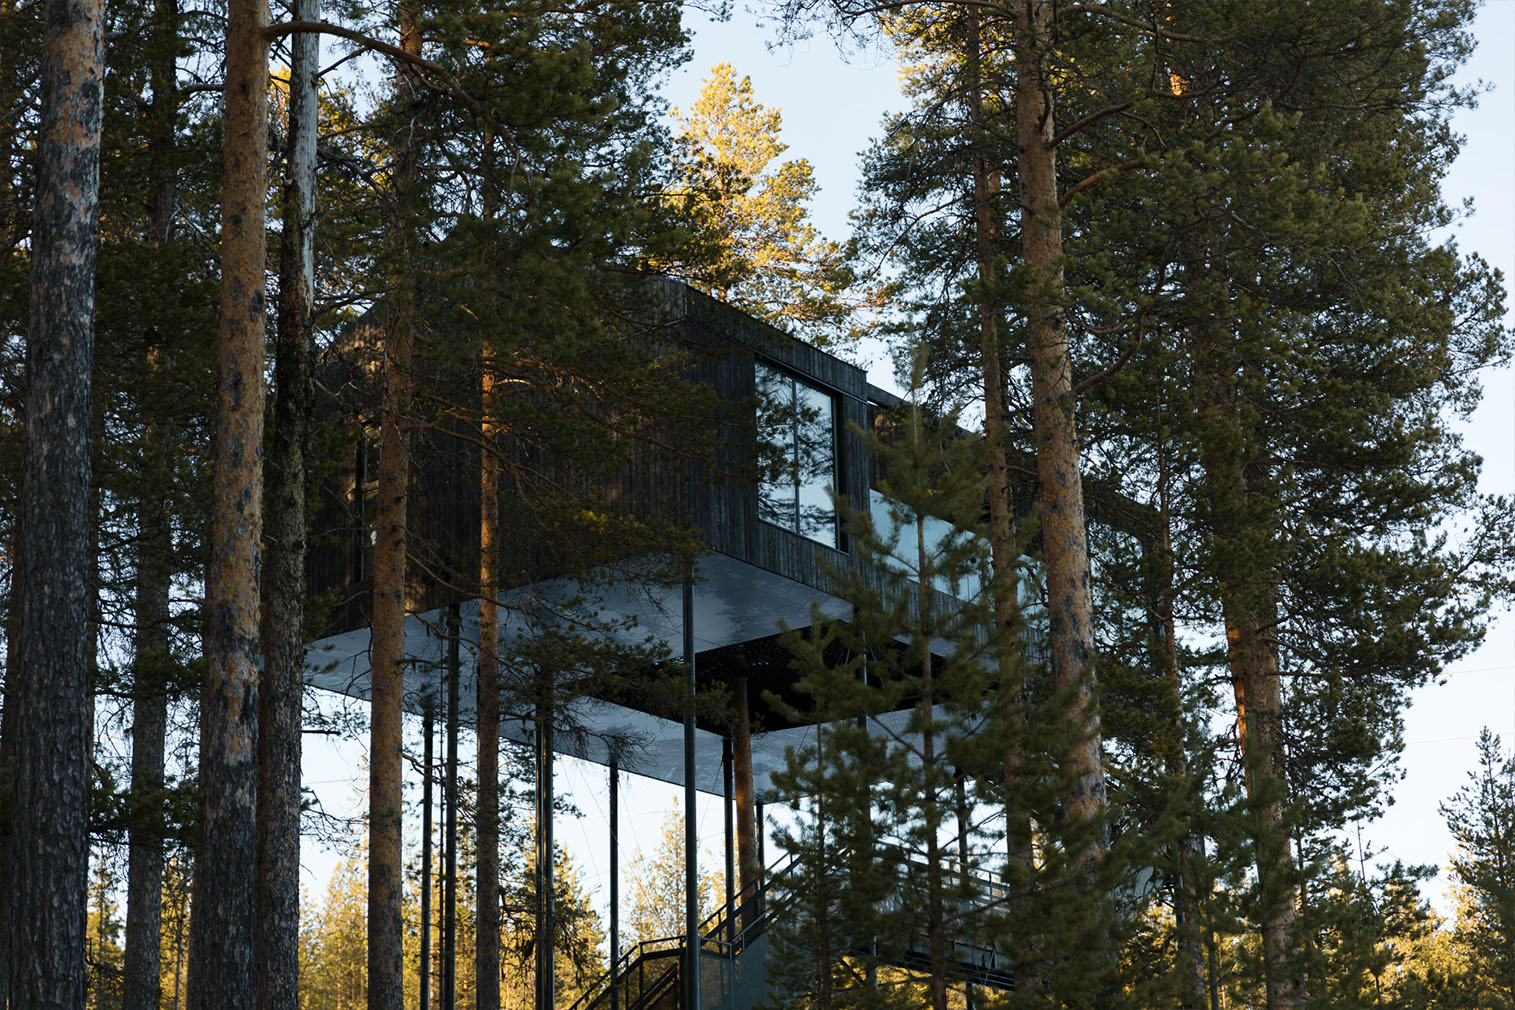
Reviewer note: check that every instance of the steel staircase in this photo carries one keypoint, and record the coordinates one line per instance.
(648, 975)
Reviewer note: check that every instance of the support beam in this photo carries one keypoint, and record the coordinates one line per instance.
(546, 972)
(962, 858)
(962, 819)
(762, 856)
(691, 833)
(424, 1003)
(749, 865)
(450, 906)
(439, 898)
(615, 875)
(730, 839)
(866, 856)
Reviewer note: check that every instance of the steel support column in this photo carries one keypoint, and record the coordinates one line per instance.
(762, 854)
(691, 832)
(450, 906)
(962, 858)
(749, 868)
(424, 1003)
(615, 875)
(546, 971)
(726, 795)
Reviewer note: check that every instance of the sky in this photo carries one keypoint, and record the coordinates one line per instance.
(832, 105)
(1479, 691)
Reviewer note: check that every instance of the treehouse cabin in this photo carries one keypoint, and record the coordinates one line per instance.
(771, 545)
(757, 449)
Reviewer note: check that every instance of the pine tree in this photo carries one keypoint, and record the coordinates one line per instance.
(656, 892)
(1481, 817)
(174, 930)
(103, 938)
(221, 949)
(155, 397)
(756, 246)
(523, 253)
(46, 721)
(1270, 413)
(333, 968)
(281, 688)
(890, 843)
(1209, 87)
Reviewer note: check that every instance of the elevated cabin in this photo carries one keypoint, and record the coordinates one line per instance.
(769, 432)
(771, 544)
(780, 430)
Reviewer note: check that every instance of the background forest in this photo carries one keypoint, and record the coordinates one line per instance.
(1193, 254)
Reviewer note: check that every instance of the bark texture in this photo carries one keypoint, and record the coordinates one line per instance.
(1004, 550)
(388, 653)
(1250, 608)
(487, 934)
(277, 943)
(221, 937)
(141, 975)
(1252, 651)
(141, 985)
(47, 711)
(385, 788)
(1066, 551)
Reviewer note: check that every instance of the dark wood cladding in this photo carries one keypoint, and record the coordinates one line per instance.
(725, 508)
(442, 520)
(713, 490)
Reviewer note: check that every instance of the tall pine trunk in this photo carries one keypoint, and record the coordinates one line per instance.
(386, 792)
(277, 951)
(47, 710)
(487, 930)
(1064, 540)
(221, 931)
(1252, 653)
(141, 975)
(141, 984)
(936, 911)
(1251, 615)
(1191, 956)
(1004, 550)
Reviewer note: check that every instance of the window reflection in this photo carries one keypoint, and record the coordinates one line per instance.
(796, 427)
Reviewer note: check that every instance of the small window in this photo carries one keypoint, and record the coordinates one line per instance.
(796, 428)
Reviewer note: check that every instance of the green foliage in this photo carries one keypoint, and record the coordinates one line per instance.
(173, 945)
(333, 944)
(579, 944)
(1481, 817)
(656, 887)
(1274, 350)
(753, 244)
(900, 837)
(333, 940)
(103, 937)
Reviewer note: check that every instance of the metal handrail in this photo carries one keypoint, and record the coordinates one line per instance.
(707, 931)
(646, 948)
(710, 928)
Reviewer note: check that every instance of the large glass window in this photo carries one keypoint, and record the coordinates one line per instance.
(796, 427)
